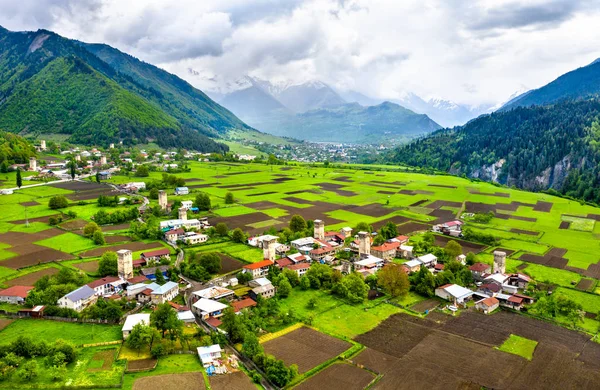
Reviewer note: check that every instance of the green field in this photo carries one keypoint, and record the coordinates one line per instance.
(518, 345)
(51, 331)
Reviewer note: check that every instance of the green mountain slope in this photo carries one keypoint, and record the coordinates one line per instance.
(580, 83)
(536, 148)
(51, 84)
(15, 149)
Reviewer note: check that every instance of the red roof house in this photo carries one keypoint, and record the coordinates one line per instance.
(15, 294)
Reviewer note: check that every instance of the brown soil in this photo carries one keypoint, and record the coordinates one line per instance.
(38, 219)
(132, 246)
(372, 210)
(386, 192)
(229, 264)
(299, 192)
(115, 239)
(141, 364)
(444, 203)
(93, 194)
(375, 361)
(545, 207)
(107, 357)
(75, 224)
(88, 266)
(27, 204)
(553, 258)
(585, 284)
(345, 179)
(428, 304)
(34, 255)
(234, 381)
(264, 205)
(4, 322)
(240, 173)
(109, 228)
(336, 188)
(30, 279)
(507, 251)
(295, 199)
(415, 192)
(338, 376)
(305, 347)
(411, 227)
(80, 185)
(466, 245)
(440, 186)
(498, 194)
(521, 231)
(187, 381)
(366, 183)
(443, 215)
(420, 202)
(593, 271)
(564, 225)
(390, 183)
(262, 193)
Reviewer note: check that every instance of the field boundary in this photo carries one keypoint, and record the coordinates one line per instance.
(284, 331)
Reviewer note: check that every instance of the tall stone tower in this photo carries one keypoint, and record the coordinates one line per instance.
(319, 229)
(364, 243)
(103, 160)
(32, 164)
(162, 199)
(499, 262)
(43, 144)
(183, 213)
(125, 264)
(269, 248)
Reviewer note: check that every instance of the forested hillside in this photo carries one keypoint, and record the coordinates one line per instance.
(15, 149)
(556, 146)
(49, 84)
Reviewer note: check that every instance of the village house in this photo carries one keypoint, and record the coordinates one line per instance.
(322, 252)
(429, 260)
(413, 265)
(182, 191)
(216, 293)
(209, 354)
(133, 320)
(186, 316)
(206, 308)
(186, 204)
(487, 305)
(133, 290)
(174, 235)
(283, 262)
(299, 258)
(454, 293)
(258, 269)
(499, 279)
(145, 296)
(478, 270)
(438, 268)
(386, 251)
(266, 292)
(369, 262)
(192, 224)
(300, 268)
(104, 175)
(164, 293)
(489, 289)
(15, 294)
(156, 256)
(108, 285)
(191, 238)
(79, 299)
(520, 281)
(238, 306)
(452, 228)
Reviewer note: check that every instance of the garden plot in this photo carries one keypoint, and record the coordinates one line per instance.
(337, 188)
(305, 347)
(375, 361)
(527, 232)
(30, 278)
(234, 381)
(338, 376)
(187, 381)
(229, 264)
(467, 246)
(411, 227)
(579, 223)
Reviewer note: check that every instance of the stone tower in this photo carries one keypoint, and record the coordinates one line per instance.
(269, 248)
(364, 243)
(183, 213)
(125, 264)
(346, 232)
(43, 144)
(32, 164)
(103, 160)
(499, 262)
(77, 157)
(319, 229)
(162, 199)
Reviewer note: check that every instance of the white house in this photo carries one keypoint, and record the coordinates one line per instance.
(216, 293)
(454, 293)
(107, 286)
(208, 354)
(133, 320)
(429, 260)
(206, 308)
(186, 316)
(187, 204)
(164, 293)
(182, 191)
(487, 305)
(178, 223)
(413, 265)
(369, 262)
(79, 299)
(191, 238)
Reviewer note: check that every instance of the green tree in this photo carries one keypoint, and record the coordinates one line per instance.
(159, 277)
(229, 199)
(304, 282)
(98, 177)
(453, 249)
(72, 169)
(363, 227)
(203, 201)
(211, 262)
(297, 223)
(98, 238)
(389, 231)
(251, 347)
(28, 371)
(233, 325)
(164, 318)
(108, 264)
(221, 229)
(138, 338)
(19, 178)
(285, 288)
(153, 193)
(90, 228)
(291, 276)
(378, 240)
(58, 202)
(393, 280)
(238, 236)
(142, 171)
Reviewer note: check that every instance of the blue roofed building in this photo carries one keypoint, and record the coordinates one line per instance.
(164, 293)
(79, 299)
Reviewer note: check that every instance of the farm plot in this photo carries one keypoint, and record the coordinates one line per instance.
(338, 376)
(132, 246)
(376, 361)
(51, 331)
(305, 347)
(229, 264)
(411, 227)
(467, 246)
(187, 381)
(579, 223)
(426, 305)
(235, 381)
(30, 278)
(87, 266)
(35, 255)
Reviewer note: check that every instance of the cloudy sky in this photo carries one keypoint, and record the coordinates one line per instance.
(471, 51)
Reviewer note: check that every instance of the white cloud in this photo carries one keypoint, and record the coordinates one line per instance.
(477, 51)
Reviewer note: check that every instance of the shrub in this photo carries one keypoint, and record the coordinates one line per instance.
(58, 202)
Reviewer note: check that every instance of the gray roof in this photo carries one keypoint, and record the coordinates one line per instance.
(152, 270)
(82, 292)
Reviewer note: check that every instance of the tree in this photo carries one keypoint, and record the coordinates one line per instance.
(453, 249)
(108, 264)
(90, 229)
(389, 231)
(304, 283)
(363, 227)
(72, 169)
(221, 229)
(98, 177)
(142, 171)
(354, 287)
(291, 276)
(210, 262)
(251, 347)
(19, 178)
(233, 325)
(203, 201)
(138, 337)
(153, 193)
(4, 166)
(160, 278)
(58, 202)
(312, 303)
(229, 199)
(424, 282)
(393, 280)
(238, 236)
(98, 238)
(429, 238)
(378, 240)
(297, 223)
(285, 288)
(28, 371)
(164, 318)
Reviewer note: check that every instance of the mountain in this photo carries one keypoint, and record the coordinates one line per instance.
(253, 102)
(352, 123)
(357, 97)
(308, 96)
(15, 149)
(582, 83)
(98, 95)
(536, 147)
